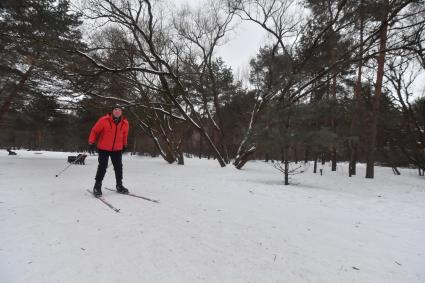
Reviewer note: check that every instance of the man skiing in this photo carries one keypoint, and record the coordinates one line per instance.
(110, 132)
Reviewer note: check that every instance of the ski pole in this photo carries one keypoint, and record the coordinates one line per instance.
(72, 163)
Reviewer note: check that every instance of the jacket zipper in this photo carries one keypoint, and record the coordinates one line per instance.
(115, 137)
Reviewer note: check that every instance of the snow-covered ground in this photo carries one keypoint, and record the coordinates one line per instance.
(212, 224)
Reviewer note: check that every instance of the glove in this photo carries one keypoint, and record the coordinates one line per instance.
(124, 149)
(92, 147)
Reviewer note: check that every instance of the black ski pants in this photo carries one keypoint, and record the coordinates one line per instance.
(116, 158)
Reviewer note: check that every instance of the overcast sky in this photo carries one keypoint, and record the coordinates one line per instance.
(242, 46)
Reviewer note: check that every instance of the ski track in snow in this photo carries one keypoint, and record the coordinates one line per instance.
(212, 224)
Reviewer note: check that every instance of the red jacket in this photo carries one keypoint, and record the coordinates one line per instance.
(109, 136)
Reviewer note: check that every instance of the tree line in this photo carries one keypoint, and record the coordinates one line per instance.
(336, 80)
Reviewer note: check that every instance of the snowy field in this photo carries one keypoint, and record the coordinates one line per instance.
(212, 224)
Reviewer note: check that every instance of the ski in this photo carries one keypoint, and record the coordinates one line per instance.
(105, 202)
(134, 195)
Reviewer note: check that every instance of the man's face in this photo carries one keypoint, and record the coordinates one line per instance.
(117, 112)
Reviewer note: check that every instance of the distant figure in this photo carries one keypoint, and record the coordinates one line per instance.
(11, 152)
(110, 132)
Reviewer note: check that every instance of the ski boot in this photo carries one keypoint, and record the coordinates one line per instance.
(97, 189)
(121, 189)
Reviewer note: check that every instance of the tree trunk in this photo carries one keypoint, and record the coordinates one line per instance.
(423, 132)
(285, 157)
(216, 152)
(334, 159)
(165, 153)
(134, 144)
(316, 157)
(352, 163)
(333, 94)
(169, 157)
(200, 146)
(245, 150)
(38, 138)
(306, 155)
(378, 93)
(244, 158)
(353, 144)
(180, 158)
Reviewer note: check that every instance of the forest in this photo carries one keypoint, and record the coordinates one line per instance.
(335, 81)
